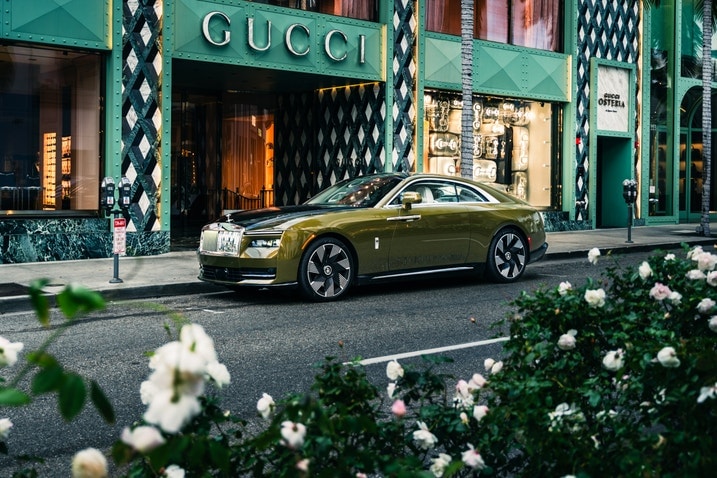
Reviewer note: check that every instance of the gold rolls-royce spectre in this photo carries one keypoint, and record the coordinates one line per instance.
(372, 228)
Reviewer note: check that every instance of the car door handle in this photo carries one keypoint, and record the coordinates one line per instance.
(414, 217)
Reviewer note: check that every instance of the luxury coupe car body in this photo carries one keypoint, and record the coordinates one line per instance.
(372, 228)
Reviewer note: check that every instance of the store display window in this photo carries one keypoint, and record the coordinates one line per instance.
(512, 143)
(49, 130)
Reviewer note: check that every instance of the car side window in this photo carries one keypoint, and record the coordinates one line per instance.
(466, 194)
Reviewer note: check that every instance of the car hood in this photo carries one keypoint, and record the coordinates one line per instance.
(278, 217)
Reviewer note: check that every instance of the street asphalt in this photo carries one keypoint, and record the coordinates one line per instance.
(175, 273)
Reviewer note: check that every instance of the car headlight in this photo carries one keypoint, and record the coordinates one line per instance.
(263, 247)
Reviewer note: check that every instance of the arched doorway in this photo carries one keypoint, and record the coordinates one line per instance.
(691, 178)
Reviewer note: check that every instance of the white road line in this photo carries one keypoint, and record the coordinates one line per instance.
(417, 353)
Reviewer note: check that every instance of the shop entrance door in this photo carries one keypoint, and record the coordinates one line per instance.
(614, 165)
(222, 157)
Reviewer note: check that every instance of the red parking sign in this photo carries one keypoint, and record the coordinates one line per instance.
(120, 235)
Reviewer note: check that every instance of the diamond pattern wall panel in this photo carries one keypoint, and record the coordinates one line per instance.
(607, 29)
(327, 136)
(141, 113)
(293, 148)
(350, 133)
(404, 72)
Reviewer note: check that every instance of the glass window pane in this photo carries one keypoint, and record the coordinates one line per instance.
(492, 20)
(512, 143)
(49, 129)
(360, 9)
(534, 23)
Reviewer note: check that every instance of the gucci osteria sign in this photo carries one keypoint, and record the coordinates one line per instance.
(613, 93)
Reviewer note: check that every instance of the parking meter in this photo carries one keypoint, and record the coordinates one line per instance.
(629, 193)
(107, 194)
(125, 191)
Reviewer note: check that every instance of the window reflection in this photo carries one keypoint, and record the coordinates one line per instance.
(359, 9)
(49, 129)
(529, 23)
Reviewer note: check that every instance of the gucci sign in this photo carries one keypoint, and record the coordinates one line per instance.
(296, 38)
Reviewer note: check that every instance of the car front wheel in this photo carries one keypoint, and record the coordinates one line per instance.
(326, 270)
(507, 256)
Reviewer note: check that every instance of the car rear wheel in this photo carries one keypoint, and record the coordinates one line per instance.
(507, 256)
(326, 270)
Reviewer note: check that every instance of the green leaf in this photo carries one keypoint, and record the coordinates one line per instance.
(42, 359)
(72, 396)
(76, 299)
(102, 404)
(47, 380)
(39, 300)
(11, 397)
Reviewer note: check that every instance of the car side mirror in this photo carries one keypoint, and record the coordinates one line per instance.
(408, 198)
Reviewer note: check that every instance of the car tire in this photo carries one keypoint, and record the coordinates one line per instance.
(507, 256)
(326, 270)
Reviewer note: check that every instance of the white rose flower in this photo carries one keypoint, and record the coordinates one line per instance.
(472, 458)
(391, 389)
(695, 274)
(705, 261)
(564, 288)
(668, 357)
(707, 392)
(644, 270)
(567, 341)
(713, 323)
(705, 305)
(424, 438)
(89, 463)
(488, 364)
(613, 360)
(440, 464)
(593, 255)
(293, 434)
(669, 257)
(675, 297)
(171, 412)
(143, 438)
(8, 352)
(495, 367)
(394, 370)
(265, 405)
(595, 298)
(695, 251)
(712, 278)
(5, 426)
(174, 471)
(660, 292)
(219, 373)
(476, 382)
(480, 411)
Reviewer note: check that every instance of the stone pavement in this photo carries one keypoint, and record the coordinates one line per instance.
(175, 273)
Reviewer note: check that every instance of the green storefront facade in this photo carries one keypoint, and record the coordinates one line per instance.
(206, 106)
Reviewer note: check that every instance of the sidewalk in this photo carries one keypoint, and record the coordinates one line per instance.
(175, 273)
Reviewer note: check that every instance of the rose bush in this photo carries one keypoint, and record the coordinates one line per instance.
(617, 376)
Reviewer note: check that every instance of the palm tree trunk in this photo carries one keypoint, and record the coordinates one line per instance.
(706, 114)
(467, 86)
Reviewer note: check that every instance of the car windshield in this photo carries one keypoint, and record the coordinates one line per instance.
(363, 191)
